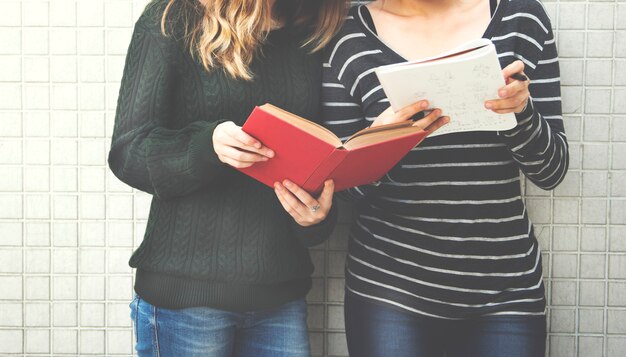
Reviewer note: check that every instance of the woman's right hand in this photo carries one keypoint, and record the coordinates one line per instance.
(236, 148)
(430, 122)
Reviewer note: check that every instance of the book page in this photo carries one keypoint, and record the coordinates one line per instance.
(458, 85)
(304, 124)
(384, 133)
(386, 128)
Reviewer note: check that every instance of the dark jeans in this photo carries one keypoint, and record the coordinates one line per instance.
(376, 330)
(206, 332)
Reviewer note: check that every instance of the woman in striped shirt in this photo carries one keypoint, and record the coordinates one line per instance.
(442, 258)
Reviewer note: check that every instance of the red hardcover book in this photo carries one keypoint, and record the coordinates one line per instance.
(309, 154)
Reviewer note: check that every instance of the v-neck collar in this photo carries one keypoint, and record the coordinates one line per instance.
(359, 17)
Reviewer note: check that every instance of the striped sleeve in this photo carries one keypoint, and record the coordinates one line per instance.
(538, 143)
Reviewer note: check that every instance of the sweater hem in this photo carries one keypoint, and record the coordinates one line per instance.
(176, 292)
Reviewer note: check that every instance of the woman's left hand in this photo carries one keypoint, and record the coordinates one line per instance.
(304, 208)
(514, 95)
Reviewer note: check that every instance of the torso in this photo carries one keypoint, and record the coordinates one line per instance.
(209, 244)
(451, 209)
(433, 33)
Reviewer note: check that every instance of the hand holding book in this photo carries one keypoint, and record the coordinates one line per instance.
(305, 209)
(236, 148)
(240, 150)
(308, 154)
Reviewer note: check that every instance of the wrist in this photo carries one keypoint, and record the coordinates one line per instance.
(526, 112)
(522, 108)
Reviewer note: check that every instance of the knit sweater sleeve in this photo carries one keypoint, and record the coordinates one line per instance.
(145, 153)
(538, 144)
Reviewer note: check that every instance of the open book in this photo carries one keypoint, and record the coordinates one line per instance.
(458, 82)
(309, 154)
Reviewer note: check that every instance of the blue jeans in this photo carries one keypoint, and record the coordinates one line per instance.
(202, 331)
(375, 330)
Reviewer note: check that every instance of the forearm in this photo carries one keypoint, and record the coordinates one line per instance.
(145, 153)
(166, 163)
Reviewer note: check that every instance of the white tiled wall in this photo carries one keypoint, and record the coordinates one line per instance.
(68, 227)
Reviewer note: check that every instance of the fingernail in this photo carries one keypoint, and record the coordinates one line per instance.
(502, 93)
(424, 104)
(270, 153)
(287, 183)
(257, 145)
(488, 105)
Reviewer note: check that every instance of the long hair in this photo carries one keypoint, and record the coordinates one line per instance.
(227, 33)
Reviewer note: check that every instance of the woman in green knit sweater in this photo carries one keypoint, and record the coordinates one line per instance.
(223, 268)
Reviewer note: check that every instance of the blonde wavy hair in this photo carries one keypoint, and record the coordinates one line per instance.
(227, 33)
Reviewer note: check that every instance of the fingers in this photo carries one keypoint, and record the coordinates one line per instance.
(326, 197)
(515, 67)
(407, 112)
(235, 132)
(299, 203)
(514, 104)
(390, 117)
(431, 122)
(287, 200)
(235, 163)
(229, 141)
(236, 148)
(429, 119)
(240, 139)
(241, 156)
(301, 194)
(298, 210)
(291, 200)
(441, 121)
(512, 89)
(514, 95)
(513, 101)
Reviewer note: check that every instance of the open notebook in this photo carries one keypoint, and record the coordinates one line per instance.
(458, 81)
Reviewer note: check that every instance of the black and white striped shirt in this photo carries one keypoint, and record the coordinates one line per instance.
(446, 233)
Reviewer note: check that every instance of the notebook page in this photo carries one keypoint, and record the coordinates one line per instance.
(458, 85)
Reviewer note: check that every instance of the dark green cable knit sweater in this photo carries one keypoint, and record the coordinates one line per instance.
(214, 237)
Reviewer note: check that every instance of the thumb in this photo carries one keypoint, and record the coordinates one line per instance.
(515, 67)
(326, 197)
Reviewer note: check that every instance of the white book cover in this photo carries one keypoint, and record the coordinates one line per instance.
(458, 82)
